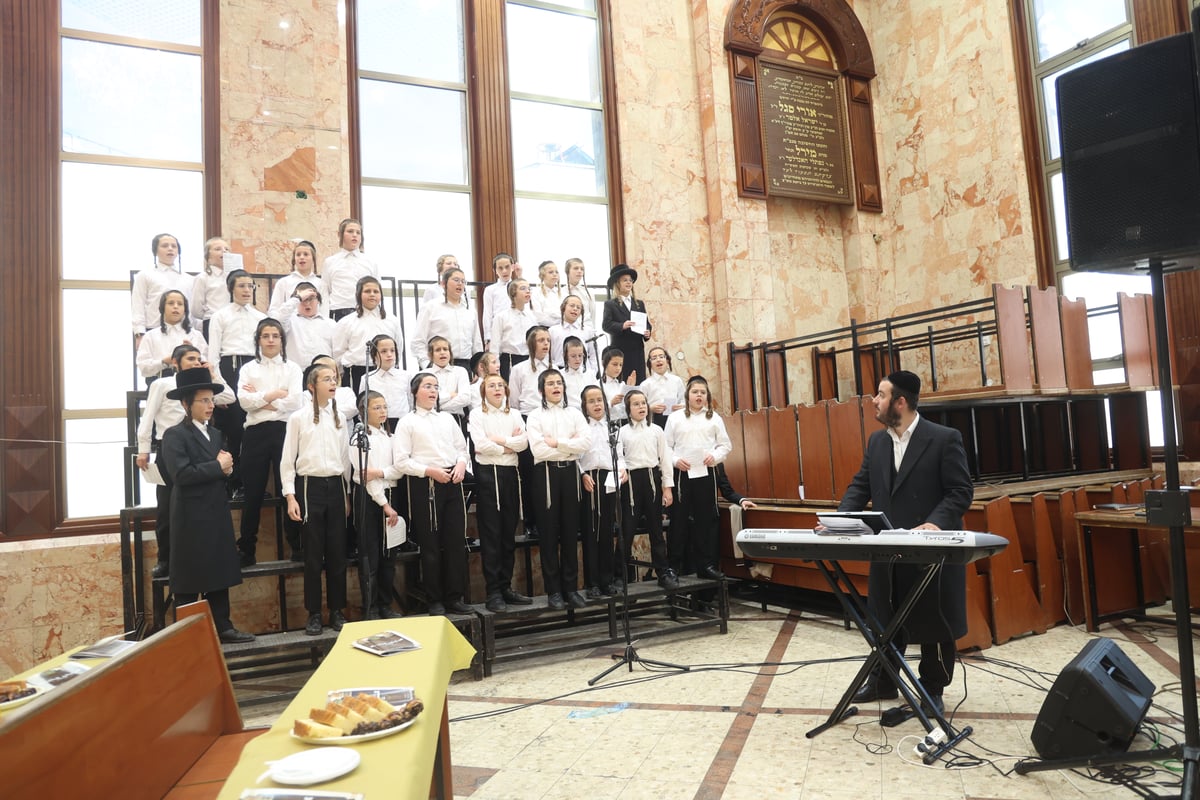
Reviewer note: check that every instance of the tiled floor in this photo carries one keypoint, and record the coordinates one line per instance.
(738, 732)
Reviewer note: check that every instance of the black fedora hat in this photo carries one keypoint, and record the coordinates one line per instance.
(619, 270)
(192, 380)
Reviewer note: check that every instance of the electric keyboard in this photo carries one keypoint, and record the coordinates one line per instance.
(918, 547)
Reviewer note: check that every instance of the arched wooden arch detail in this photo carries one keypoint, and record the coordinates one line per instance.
(744, 29)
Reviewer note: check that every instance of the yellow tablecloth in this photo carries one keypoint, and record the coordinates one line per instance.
(397, 766)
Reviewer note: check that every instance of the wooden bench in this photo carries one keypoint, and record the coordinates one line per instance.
(134, 726)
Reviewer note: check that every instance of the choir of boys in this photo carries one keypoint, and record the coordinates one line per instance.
(406, 463)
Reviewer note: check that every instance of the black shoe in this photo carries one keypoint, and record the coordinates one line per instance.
(576, 600)
(247, 559)
(161, 570)
(668, 580)
(385, 612)
(616, 587)
(234, 636)
(496, 604)
(871, 692)
(555, 602)
(516, 598)
(531, 532)
(437, 610)
(712, 573)
(238, 495)
(594, 593)
(460, 607)
(337, 620)
(313, 628)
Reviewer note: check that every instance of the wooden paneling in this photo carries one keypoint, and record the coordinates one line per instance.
(1154, 19)
(1136, 347)
(1077, 344)
(616, 197)
(1045, 329)
(816, 465)
(31, 469)
(1183, 298)
(741, 369)
(1012, 339)
(825, 379)
(757, 441)
(735, 464)
(846, 442)
(775, 377)
(785, 452)
(493, 212)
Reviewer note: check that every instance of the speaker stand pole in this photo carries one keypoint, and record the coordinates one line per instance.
(1170, 509)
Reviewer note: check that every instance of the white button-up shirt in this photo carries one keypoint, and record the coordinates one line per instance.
(598, 455)
(482, 425)
(666, 388)
(231, 331)
(646, 446)
(495, 300)
(210, 293)
(266, 375)
(454, 388)
(396, 387)
(352, 332)
(378, 457)
(148, 287)
(317, 450)
(161, 412)
(509, 330)
(565, 425)
(456, 323)
(426, 439)
(694, 436)
(156, 345)
(307, 337)
(523, 391)
(340, 275)
(547, 303)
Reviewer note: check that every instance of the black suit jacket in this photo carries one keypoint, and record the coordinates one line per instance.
(204, 554)
(633, 345)
(934, 485)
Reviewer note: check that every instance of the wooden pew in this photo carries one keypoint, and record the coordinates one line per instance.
(783, 450)
(1041, 538)
(1012, 339)
(816, 464)
(825, 377)
(1045, 330)
(1137, 340)
(131, 727)
(846, 440)
(1077, 344)
(1013, 607)
(735, 464)
(756, 454)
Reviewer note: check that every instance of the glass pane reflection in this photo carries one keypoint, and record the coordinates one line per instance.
(417, 39)
(410, 228)
(557, 149)
(1061, 24)
(412, 133)
(176, 21)
(553, 54)
(130, 101)
(110, 214)
(558, 230)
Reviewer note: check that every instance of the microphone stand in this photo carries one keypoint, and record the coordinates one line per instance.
(630, 654)
(361, 438)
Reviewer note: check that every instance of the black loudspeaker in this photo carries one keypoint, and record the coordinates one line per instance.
(1131, 158)
(1095, 706)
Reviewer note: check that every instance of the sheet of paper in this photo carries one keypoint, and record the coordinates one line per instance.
(232, 261)
(153, 475)
(396, 534)
(610, 485)
(639, 321)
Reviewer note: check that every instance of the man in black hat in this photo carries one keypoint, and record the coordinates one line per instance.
(618, 321)
(204, 555)
(915, 472)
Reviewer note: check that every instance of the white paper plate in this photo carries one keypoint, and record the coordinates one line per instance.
(20, 701)
(309, 767)
(365, 737)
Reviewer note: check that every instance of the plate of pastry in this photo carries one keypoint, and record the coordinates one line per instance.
(16, 693)
(359, 718)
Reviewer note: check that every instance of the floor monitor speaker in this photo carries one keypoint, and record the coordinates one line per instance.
(1131, 158)
(1095, 706)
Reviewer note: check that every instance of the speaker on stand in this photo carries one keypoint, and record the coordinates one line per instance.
(1130, 135)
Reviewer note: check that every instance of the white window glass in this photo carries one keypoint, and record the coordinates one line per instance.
(95, 479)
(111, 213)
(176, 21)
(1058, 207)
(580, 5)
(557, 149)
(1061, 25)
(410, 228)
(1050, 95)
(130, 101)
(553, 54)
(97, 348)
(557, 230)
(412, 133)
(415, 39)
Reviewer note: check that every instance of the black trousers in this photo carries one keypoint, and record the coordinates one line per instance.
(231, 420)
(508, 361)
(692, 542)
(323, 528)
(338, 313)
(262, 447)
(645, 486)
(496, 514)
(218, 604)
(352, 377)
(438, 513)
(936, 668)
(599, 543)
(525, 468)
(556, 493)
(376, 569)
